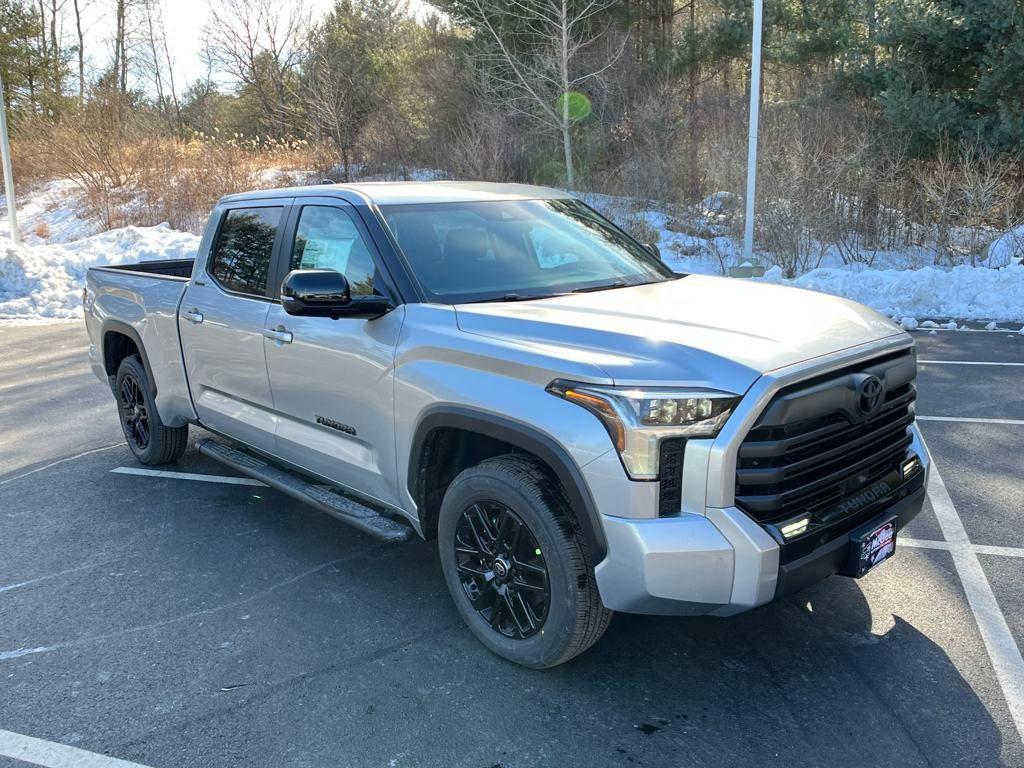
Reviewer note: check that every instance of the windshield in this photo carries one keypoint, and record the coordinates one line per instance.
(517, 249)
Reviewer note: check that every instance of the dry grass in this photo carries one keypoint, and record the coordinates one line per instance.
(133, 173)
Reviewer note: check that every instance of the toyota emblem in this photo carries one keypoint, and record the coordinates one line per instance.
(869, 395)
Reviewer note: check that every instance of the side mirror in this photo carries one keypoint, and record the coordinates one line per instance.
(654, 249)
(325, 293)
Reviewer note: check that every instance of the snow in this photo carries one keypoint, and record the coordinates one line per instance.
(963, 292)
(1007, 248)
(699, 240)
(55, 210)
(43, 283)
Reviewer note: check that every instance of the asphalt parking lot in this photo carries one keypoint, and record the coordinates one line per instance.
(172, 622)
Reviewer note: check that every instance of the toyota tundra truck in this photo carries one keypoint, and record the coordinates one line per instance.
(500, 368)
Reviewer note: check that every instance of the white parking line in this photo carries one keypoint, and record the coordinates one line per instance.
(968, 362)
(970, 420)
(981, 549)
(50, 754)
(188, 476)
(1002, 648)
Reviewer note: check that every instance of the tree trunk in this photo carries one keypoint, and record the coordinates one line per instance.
(161, 101)
(120, 49)
(570, 171)
(43, 48)
(55, 50)
(81, 54)
(872, 34)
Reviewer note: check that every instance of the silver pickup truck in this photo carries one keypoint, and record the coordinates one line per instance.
(501, 369)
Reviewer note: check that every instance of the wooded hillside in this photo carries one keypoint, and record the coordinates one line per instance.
(886, 125)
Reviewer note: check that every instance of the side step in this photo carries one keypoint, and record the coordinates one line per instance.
(323, 497)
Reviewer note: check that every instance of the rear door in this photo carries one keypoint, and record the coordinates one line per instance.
(222, 319)
(332, 380)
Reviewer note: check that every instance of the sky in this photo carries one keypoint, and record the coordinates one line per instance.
(184, 21)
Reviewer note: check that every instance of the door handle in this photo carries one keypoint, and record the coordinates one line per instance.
(279, 334)
(193, 316)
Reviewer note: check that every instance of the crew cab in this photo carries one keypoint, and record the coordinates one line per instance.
(500, 368)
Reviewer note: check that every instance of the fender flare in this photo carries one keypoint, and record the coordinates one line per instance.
(117, 326)
(529, 439)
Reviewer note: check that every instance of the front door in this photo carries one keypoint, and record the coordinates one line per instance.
(333, 380)
(222, 319)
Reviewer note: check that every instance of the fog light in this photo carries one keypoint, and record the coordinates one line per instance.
(794, 528)
(910, 466)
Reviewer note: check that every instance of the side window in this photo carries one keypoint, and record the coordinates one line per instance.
(327, 238)
(241, 259)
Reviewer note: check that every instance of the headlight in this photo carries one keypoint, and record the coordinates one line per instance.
(638, 419)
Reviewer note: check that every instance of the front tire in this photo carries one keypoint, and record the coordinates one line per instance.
(514, 565)
(150, 441)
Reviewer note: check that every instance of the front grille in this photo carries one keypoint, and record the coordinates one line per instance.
(813, 447)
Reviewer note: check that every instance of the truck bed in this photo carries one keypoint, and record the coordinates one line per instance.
(178, 268)
(141, 301)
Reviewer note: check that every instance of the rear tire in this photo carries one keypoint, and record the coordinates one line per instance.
(150, 441)
(501, 523)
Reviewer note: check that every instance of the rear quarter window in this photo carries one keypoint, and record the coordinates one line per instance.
(240, 260)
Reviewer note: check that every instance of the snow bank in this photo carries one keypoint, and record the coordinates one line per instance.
(55, 210)
(1007, 248)
(40, 283)
(966, 293)
(42, 280)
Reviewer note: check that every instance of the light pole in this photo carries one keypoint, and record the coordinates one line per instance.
(755, 108)
(5, 151)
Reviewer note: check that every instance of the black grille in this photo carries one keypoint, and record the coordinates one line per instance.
(813, 447)
(670, 476)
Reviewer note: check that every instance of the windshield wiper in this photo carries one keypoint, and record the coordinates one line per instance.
(516, 297)
(603, 287)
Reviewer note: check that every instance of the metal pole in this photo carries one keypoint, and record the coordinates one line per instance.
(755, 108)
(5, 151)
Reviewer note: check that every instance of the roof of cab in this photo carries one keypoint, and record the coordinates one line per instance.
(410, 192)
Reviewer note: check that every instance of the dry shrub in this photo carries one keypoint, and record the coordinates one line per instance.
(132, 172)
(182, 180)
(969, 195)
(656, 154)
(485, 148)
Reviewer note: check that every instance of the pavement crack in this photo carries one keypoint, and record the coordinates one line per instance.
(47, 577)
(19, 652)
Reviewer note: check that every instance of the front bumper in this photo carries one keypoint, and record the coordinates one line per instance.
(832, 557)
(721, 562)
(713, 558)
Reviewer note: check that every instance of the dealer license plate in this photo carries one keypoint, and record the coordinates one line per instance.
(876, 547)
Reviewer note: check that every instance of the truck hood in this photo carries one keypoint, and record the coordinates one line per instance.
(697, 330)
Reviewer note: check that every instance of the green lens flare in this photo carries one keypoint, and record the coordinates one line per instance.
(579, 106)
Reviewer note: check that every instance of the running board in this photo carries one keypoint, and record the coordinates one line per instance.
(323, 497)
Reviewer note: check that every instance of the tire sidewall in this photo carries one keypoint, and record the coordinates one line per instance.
(133, 367)
(483, 483)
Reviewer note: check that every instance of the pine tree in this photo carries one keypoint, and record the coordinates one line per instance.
(953, 70)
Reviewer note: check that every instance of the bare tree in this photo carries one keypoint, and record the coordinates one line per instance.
(79, 6)
(120, 45)
(260, 43)
(157, 57)
(537, 57)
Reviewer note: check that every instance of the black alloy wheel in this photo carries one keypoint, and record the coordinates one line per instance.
(502, 569)
(134, 415)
